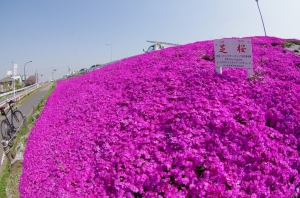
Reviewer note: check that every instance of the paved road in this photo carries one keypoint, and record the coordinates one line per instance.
(26, 108)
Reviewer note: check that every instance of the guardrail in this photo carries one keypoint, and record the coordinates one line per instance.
(18, 90)
(18, 96)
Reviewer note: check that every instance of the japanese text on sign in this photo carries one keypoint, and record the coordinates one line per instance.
(236, 53)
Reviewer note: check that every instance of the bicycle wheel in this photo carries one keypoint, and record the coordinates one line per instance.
(5, 130)
(17, 120)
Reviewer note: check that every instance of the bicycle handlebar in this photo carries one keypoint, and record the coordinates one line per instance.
(2, 109)
(11, 102)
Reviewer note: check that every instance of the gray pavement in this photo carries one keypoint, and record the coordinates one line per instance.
(26, 108)
(295, 48)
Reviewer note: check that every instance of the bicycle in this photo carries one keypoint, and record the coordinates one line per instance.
(9, 129)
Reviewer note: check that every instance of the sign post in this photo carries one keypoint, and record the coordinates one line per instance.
(14, 73)
(234, 53)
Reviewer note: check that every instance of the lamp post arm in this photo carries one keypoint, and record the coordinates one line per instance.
(24, 69)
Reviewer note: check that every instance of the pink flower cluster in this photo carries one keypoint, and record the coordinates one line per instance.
(165, 124)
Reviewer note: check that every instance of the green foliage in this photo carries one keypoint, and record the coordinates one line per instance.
(287, 45)
(30, 119)
(18, 84)
(3, 181)
(21, 133)
(25, 140)
(6, 86)
(294, 42)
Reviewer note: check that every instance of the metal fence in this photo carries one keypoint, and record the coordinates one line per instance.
(17, 97)
(18, 90)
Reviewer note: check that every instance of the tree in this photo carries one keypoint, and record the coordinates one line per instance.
(6, 86)
(30, 80)
(18, 85)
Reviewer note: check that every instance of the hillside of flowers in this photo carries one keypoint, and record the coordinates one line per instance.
(165, 124)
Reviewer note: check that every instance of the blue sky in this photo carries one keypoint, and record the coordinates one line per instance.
(74, 33)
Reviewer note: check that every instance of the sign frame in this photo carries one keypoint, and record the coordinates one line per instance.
(233, 53)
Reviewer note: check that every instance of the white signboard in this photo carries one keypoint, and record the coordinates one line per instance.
(9, 73)
(234, 53)
(15, 69)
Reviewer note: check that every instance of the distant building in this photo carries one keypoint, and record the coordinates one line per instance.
(6, 83)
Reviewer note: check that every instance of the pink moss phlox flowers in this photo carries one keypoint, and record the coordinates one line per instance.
(164, 124)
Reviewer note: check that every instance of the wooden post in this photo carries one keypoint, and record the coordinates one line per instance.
(219, 70)
(7, 151)
(249, 72)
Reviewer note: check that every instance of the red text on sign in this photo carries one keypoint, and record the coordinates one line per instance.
(222, 49)
(241, 48)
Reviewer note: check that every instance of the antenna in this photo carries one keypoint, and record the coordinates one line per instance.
(152, 41)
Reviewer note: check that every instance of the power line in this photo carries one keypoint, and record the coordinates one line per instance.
(45, 68)
(51, 68)
(5, 63)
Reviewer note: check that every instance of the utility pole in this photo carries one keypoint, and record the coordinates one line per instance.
(13, 78)
(53, 70)
(110, 51)
(37, 78)
(261, 17)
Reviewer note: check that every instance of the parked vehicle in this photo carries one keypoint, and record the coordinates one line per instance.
(82, 71)
(66, 76)
(93, 67)
(74, 73)
(158, 46)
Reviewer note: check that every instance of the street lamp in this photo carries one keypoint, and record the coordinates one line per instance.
(41, 74)
(37, 78)
(24, 69)
(261, 17)
(53, 70)
(110, 51)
